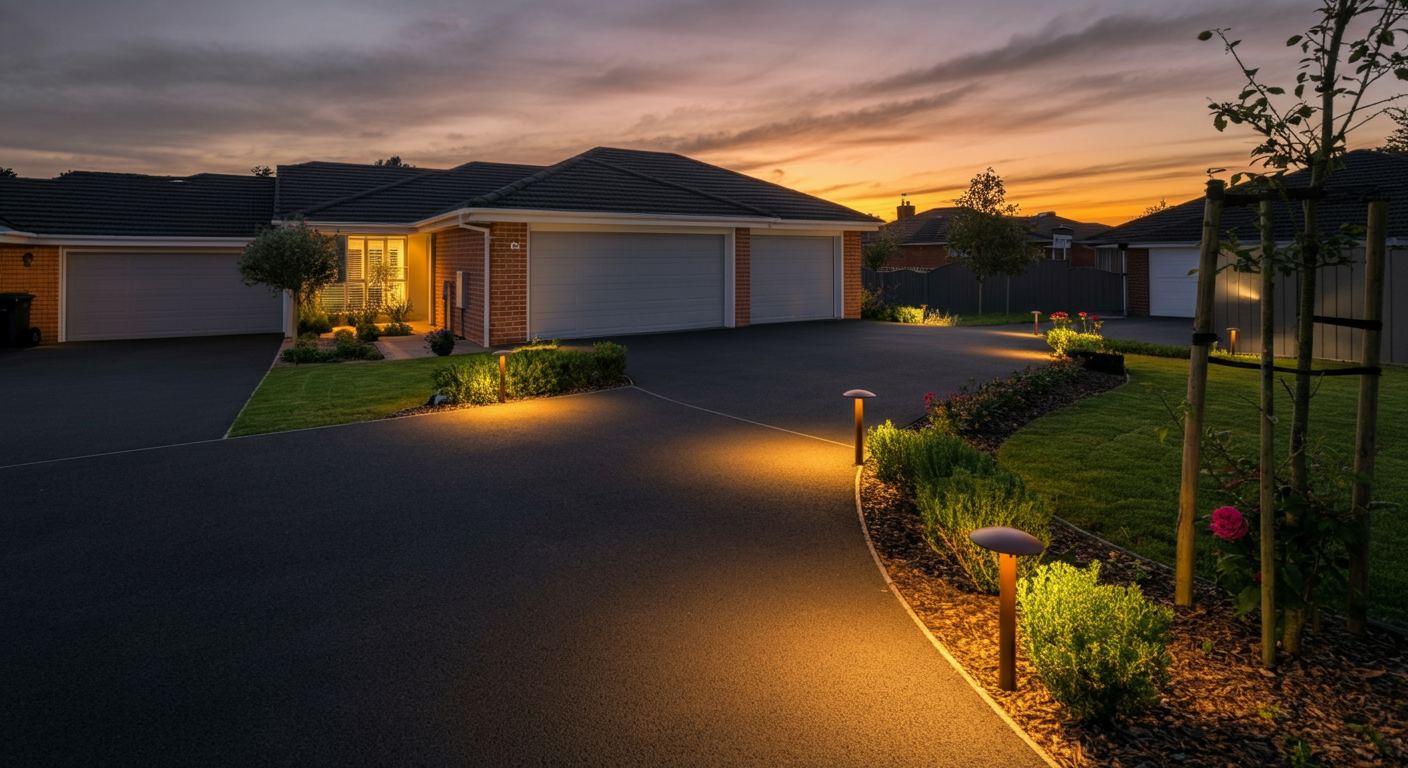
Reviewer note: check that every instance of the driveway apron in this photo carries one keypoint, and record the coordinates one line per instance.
(600, 580)
(95, 397)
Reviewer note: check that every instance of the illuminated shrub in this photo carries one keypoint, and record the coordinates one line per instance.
(916, 458)
(1101, 650)
(954, 507)
(533, 371)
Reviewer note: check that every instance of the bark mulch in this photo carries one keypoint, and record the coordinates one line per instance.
(1345, 698)
(624, 381)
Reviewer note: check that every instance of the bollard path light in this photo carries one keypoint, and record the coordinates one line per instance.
(1036, 322)
(1232, 342)
(860, 395)
(1009, 544)
(503, 373)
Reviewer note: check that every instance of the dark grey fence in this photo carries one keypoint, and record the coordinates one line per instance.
(1049, 286)
(1339, 293)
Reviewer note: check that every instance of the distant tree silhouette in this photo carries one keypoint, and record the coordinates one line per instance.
(7, 172)
(394, 162)
(262, 170)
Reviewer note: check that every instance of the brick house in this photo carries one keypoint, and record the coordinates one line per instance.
(608, 242)
(923, 246)
(1161, 249)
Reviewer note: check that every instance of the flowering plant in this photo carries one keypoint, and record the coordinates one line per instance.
(1090, 323)
(1060, 320)
(971, 411)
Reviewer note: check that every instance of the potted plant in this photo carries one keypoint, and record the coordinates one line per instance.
(440, 341)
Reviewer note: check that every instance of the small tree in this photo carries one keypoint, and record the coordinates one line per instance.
(394, 162)
(262, 170)
(986, 236)
(882, 250)
(291, 258)
(1397, 142)
(1162, 205)
(7, 172)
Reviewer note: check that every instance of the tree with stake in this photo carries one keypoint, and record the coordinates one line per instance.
(1299, 133)
(985, 235)
(291, 258)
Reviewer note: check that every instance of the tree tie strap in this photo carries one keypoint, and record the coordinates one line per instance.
(1349, 322)
(1360, 371)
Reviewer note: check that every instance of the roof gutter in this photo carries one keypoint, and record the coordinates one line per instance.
(485, 215)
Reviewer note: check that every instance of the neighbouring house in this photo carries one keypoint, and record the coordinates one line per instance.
(608, 242)
(1161, 249)
(923, 245)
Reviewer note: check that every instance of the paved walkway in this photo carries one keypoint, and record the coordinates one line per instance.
(607, 579)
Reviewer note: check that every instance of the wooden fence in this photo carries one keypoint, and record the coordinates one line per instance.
(1049, 286)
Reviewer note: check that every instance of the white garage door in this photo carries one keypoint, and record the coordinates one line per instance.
(791, 279)
(146, 295)
(585, 284)
(1172, 291)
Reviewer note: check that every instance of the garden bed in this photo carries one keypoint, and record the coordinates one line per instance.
(419, 410)
(1343, 703)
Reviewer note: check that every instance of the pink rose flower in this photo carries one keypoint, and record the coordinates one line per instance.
(1228, 524)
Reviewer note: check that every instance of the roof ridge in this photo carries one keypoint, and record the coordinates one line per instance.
(355, 195)
(686, 188)
(526, 181)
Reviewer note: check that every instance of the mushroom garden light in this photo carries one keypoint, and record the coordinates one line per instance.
(1009, 544)
(860, 395)
(1036, 322)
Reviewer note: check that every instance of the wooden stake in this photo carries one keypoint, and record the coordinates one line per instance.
(1197, 393)
(1366, 428)
(1267, 500)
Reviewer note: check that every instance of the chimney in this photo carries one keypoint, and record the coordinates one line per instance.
(904, 210)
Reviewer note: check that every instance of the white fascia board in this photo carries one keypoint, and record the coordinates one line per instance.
(362, 228)
(845, 226)
(114, 241)
(487, 215)
(795, 233)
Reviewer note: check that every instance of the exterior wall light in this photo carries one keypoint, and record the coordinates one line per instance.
(28, 259)
(1232, 339)
(1036, 322)
(1009, 544)
(503, 373)
(860, 395)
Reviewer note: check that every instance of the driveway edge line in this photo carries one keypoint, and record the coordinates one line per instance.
(738, 418)
(885, 574)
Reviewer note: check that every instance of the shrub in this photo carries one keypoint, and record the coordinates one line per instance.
(1064, 341)
(306, 355)
(368, 332)
(344, 336)
(937, 317)
(313, 320)
(1100, 650)
(396, 329)
(475, 381)
(966, 501)
(440, 341)
(911, 315)
(876, 305)
(364, 316)
(397, 310)
(610, 360)
(922, 457)
(1127, 347)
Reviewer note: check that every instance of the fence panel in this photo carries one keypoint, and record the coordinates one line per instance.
(1049, 286)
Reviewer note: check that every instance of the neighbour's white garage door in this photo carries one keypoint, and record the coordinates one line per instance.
(1172, 291)
(585, 284)
(792, 278)
(151, 295)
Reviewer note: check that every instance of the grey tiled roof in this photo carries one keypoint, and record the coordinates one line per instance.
(124, 204)
(931, 227)
(1367, 173)
(305, 185)
(418, 197)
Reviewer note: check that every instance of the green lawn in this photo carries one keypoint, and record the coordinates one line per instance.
(1101, 463)
(321, 395)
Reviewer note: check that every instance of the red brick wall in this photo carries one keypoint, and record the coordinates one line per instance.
(742, 277)
(40, 278)
(850, 254)
(508, 287)
(456, 250)
(919, 257)
(1137, 267)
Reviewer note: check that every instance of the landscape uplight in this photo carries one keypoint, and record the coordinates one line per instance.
(1232, 339)
(1009, 544)
(503, 373)
(1036, 322)
(860, 395)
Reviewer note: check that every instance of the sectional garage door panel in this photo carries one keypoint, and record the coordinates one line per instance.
(586, 284)
(791, 279)
(146, 295)
(1172, 291)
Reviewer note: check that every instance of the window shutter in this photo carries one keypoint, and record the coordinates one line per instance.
(342, 258)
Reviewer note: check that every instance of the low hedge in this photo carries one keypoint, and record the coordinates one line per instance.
(305, 350)
(532, 371)
(1101, 650)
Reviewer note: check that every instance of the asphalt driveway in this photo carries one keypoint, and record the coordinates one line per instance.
(606, 579)
(93, 397)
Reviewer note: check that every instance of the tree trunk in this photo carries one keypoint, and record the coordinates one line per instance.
(980, 296)
(1366, 432)
(297, 308)
(1267, 498)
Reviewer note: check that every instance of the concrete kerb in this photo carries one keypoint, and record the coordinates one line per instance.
(977, 688)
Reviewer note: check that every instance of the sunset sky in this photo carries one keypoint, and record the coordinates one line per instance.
(1092, 109)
